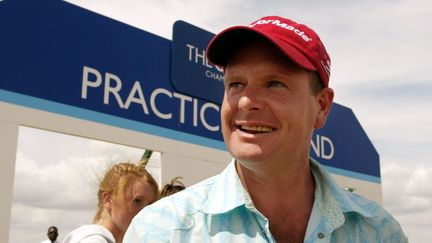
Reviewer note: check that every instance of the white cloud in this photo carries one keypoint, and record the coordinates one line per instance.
(408, 196)
(30, 224)
(64, 185)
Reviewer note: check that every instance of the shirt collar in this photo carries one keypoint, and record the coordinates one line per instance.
(331, 202)
(227, 192)
(328, 194)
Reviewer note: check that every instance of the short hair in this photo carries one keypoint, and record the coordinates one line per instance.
(173, 187)
(315, 83)
(52, 227)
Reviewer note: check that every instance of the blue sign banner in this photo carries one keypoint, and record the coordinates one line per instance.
(191, 73)
(59, 52)
(342, 143)
(60, 58)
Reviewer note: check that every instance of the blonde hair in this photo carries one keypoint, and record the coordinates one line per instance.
(117, 178)
(173, 187)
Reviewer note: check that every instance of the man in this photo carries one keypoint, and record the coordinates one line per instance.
(276, 93)
(52, 235)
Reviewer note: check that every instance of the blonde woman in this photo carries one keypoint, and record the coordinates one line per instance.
(125, 189)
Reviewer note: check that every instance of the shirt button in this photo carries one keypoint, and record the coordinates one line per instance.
(320, 235)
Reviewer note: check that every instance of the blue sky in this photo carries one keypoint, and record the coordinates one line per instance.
(381, 61)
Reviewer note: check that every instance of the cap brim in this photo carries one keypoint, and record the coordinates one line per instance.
(226, 43)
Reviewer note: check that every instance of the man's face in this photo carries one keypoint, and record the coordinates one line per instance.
(52, 234)
(268, 111)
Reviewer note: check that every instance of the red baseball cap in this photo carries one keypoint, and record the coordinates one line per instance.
(297, 41)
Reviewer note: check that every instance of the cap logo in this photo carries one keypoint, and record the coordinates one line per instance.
(282, 25)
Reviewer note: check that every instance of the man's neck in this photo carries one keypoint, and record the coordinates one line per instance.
(284, 198)
(293, 176)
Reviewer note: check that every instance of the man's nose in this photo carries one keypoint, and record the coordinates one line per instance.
(251, 99)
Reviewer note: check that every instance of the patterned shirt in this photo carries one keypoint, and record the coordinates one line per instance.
(219, 209)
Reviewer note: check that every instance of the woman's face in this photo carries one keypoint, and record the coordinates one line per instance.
(135, 197)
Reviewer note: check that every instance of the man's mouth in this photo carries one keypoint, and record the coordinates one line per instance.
(256, 129)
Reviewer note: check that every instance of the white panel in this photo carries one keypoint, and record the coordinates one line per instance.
(73, 126)
(192, 170)
(204, 153)
(8, 143)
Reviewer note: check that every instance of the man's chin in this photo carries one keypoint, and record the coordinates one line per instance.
(249, 157)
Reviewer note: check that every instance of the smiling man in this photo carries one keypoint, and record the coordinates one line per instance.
(276, 93)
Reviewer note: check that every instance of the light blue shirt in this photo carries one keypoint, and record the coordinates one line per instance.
(219, 209)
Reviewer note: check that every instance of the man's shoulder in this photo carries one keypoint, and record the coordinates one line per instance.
(158, 221)
(349, 202)
(374, 218)
(360, 213)
(378, 211)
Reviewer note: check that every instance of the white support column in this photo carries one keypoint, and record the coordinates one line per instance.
(8, 148)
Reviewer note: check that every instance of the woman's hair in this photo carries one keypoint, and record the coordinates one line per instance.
(173, 187)
(117, 178)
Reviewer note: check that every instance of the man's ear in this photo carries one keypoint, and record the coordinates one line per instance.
(106, 199)
(325, 101)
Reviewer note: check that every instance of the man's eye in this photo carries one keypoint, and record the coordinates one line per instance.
(234, 85)
(275, 83)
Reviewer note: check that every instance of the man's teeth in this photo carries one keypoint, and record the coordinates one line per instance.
(257, 129)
